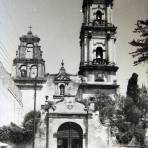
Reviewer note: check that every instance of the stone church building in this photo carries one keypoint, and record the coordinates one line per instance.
(70, 108)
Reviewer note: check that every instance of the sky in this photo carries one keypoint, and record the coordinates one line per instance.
(58, 23)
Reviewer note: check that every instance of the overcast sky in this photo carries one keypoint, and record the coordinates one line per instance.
(57, 23)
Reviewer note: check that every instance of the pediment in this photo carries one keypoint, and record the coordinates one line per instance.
(62, 77)
(70, 106)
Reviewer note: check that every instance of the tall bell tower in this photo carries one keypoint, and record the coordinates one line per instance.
(29, 66)
(97, 41)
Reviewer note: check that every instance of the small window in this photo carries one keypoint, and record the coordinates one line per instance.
(99, 77)
(29, 45)
(29, 51)
(62, 89)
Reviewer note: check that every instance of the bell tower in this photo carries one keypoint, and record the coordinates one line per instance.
(29, 66)
(97, 41)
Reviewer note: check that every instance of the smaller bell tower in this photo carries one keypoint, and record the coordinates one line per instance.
(29, 66)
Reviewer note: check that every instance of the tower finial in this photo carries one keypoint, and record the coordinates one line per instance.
(30, 28)
(62, 63)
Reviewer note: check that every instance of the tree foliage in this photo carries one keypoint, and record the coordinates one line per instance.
(131, 120)
(141, 44)
(106, 106)
(17, 135)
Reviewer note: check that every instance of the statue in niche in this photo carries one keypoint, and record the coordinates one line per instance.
(62, 89)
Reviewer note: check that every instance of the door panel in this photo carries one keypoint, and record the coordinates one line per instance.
(76, 143)
(63, 143)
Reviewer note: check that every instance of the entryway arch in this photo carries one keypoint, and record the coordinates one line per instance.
(69, 135)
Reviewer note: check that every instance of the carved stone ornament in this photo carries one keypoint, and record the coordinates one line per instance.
(69, 103)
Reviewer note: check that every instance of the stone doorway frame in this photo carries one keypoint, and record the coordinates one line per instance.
(67, 133)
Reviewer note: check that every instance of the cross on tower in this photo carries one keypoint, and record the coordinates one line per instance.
(30, 28)
(62, 63)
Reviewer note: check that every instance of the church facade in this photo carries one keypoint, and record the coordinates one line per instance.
(72, 114)
(70, 117)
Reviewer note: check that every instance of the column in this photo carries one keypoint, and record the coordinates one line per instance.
(28, 70)
(114, 51)
(88, 14)
(82, 51)
(84, 142)
(107, 47)
(85, 50)
(88, 42)
(109, 14)
(106, 37)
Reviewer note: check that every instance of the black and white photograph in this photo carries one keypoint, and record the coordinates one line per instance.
(73, 73)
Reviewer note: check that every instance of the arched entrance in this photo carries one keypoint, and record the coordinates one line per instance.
(69, 135)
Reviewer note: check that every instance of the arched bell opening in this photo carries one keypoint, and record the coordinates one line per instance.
(99, 56)
(33, 71)
(69, 135)
(99, 16)
(99, 53)
(23, 71)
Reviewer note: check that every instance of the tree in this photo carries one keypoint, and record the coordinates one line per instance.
(131, 121)
(141, 44)
(106, 107)
(17, 135)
